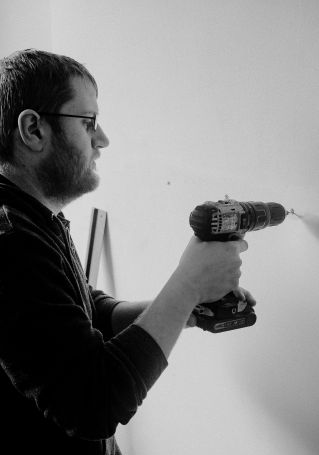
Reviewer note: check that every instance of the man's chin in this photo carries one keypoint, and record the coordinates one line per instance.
(86, 186)
(93, 182)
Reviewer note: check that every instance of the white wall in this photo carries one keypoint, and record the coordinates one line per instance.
(24, 25)
(200, 99)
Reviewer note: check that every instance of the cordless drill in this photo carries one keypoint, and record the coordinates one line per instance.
(223, 221)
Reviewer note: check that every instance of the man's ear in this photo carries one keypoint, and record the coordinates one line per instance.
(30, 129)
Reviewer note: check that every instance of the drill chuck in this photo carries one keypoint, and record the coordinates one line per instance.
(222, 219)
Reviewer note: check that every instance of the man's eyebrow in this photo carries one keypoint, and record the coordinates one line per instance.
(91, 113)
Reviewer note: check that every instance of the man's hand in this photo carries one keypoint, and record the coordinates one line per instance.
(210, 270)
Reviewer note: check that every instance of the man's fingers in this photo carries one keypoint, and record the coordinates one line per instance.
(241, 244)
(191, 321)
(243, 294)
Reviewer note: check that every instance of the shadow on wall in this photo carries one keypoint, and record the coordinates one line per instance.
(300, 421)
(283, 383)
(312, 223)
(280, 372)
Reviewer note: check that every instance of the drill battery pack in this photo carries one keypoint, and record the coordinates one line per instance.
(228, 313)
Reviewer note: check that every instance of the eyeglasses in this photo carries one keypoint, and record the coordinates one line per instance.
(93, 118)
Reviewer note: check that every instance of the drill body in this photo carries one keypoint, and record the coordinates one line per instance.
(223, 221)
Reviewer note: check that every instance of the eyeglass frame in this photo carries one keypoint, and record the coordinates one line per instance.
(94, 117)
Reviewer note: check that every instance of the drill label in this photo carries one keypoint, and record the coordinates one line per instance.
(227, 217)
(224, 222)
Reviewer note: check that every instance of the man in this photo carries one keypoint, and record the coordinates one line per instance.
(74, 361)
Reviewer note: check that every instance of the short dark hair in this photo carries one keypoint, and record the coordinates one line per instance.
(34, 79)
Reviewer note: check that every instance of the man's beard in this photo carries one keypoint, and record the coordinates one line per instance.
(64, 175)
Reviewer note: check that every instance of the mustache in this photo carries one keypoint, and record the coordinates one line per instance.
(96, 154)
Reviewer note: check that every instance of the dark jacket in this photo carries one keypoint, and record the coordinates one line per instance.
(65, 380)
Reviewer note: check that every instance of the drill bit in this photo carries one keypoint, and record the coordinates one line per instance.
(292, 212)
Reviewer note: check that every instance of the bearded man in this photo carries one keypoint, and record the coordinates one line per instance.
(75, 362)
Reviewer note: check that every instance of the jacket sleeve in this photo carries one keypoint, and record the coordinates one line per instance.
(53, 354)
(103, 306)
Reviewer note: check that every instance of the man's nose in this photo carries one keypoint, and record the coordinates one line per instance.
(100, 139)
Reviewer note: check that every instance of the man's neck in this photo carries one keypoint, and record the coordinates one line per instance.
(28, 185)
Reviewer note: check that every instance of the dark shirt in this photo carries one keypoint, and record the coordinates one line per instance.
(66, 381)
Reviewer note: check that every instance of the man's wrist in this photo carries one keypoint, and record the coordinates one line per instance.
(168, 315)
(125, 313)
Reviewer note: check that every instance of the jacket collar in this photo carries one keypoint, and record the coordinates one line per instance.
(14, 194)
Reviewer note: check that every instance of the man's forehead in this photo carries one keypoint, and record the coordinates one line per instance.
(84, 96)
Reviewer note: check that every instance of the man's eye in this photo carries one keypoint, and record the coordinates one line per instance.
(89, 124)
